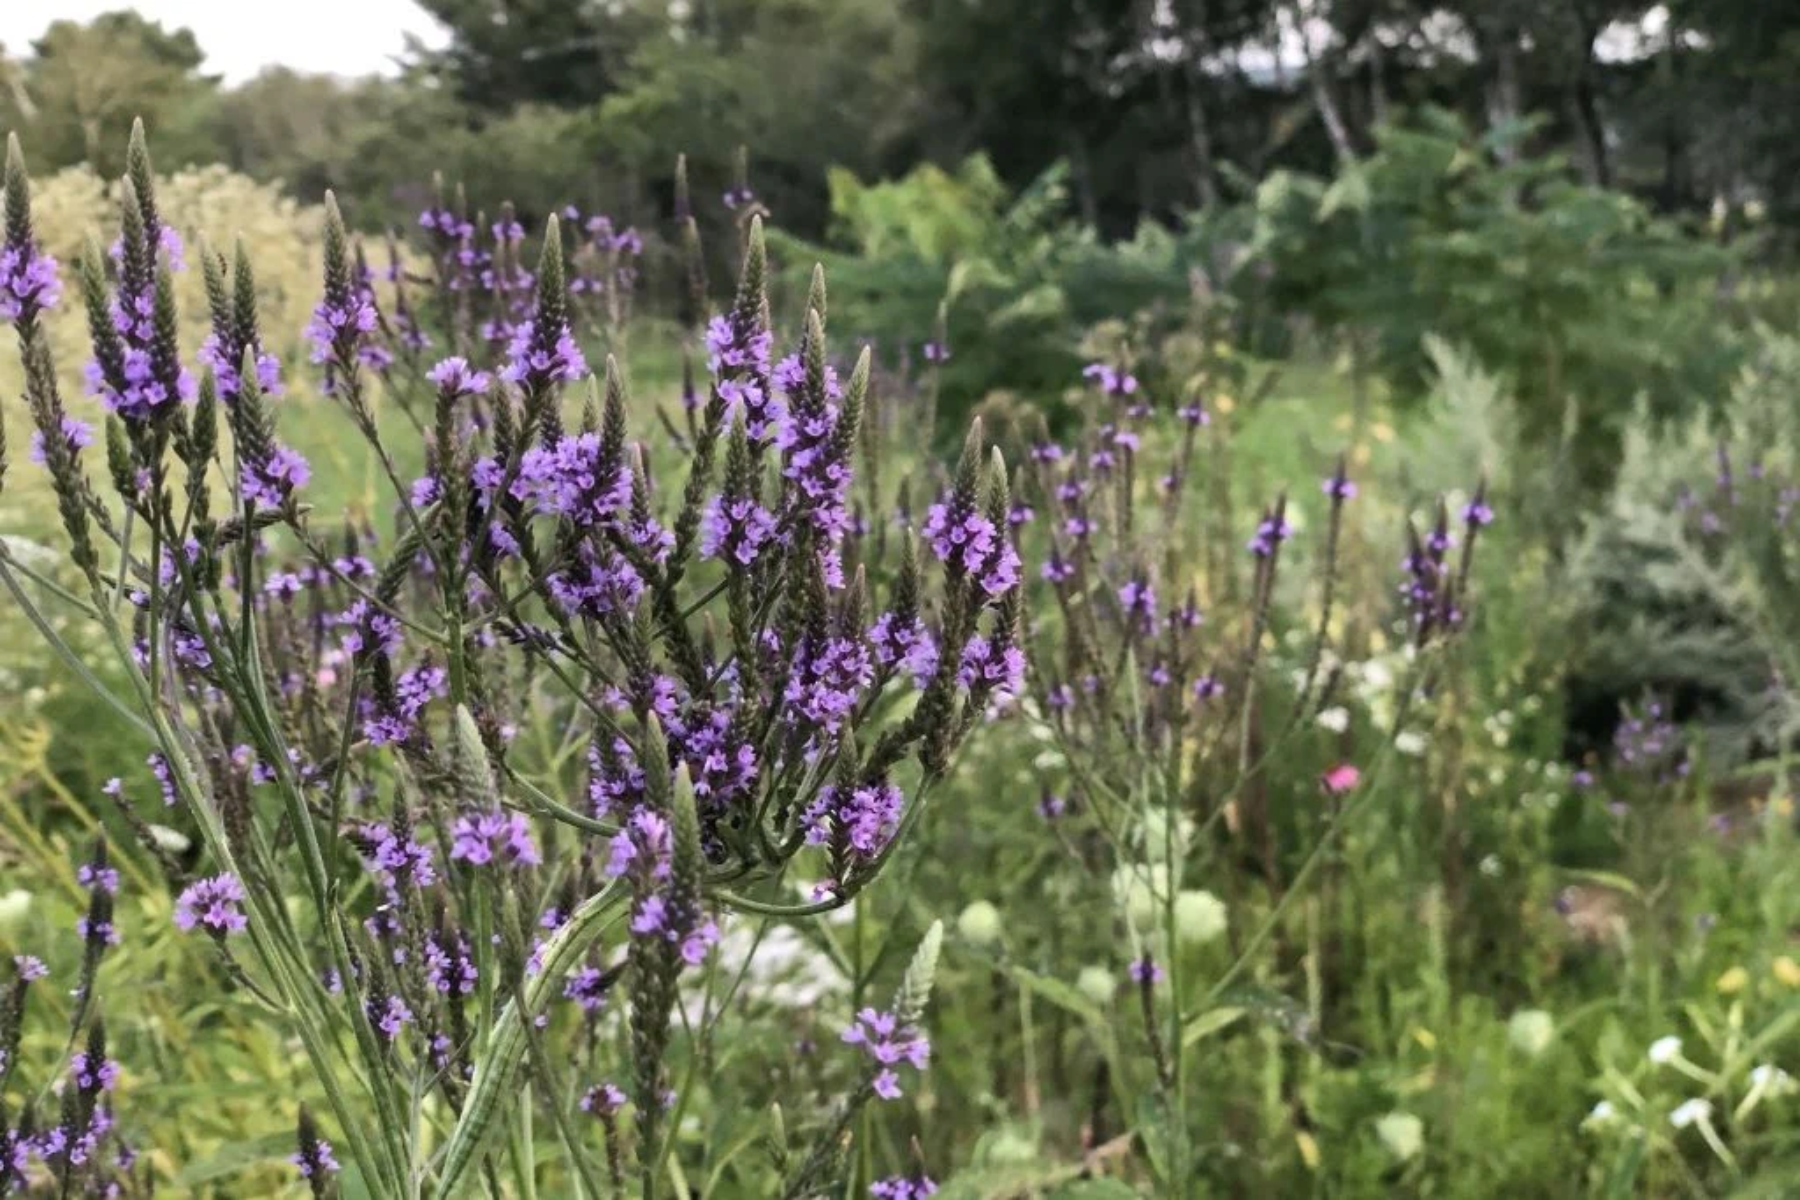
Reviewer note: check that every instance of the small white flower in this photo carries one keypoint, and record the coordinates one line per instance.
(1166, 841)
(979, 924)
(1336, 719)
(1200, 917)
(1690, 1112)
(1490, 866)
(1410, 742)
(1141, 891)
(13, 907)
(1603, 1113)
(172, 840)
(1097, 984)
(1771, 1078)
(1402, 1133)
(1530, 1031)
(1665, 1050)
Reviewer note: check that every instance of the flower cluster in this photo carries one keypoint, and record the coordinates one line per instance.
(29, 283)
(889, 1043)
(495, 837)
(336, 713)
(214, 904)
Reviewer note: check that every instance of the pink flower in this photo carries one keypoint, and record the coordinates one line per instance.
(1340, 779)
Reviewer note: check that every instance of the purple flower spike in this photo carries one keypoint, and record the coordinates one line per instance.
(498, 836)
(29, 283)
(212, 903)
(889, 1044)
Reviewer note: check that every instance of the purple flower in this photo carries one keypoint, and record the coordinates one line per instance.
(1145, 971)
(98, 877)
(338, 329)
(165, 778)
(29, 968)
(936, 352)
(390, 1015)
(735, 529)
(645, 846)
(968, 542)
(316, 1160)
(1138, 599)
(856, 823)
(213, 903)
(396, 860)
(1338, 487)
(223, 351)
(733, 351)
(368, 630)
(903, 1187)
(644, 851)
(1270, 533)
(991, 663)
(538, 358)
(1114, 381)
(904, 645)
(91, 1074)
(455, 377)
(827, 677)
(889, 1044)
(1056, 568)
(450, 967)
(574, 480)
(587, 987)
(602, 1099)
(598, 585)
(271, 481)
(76, 435)
(499, 835)
(29, 283)
(1476, 514)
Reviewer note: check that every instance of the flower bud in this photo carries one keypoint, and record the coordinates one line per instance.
(1166, 840)
(1097, 984)
(1530, 1031)
(14, 905)
(1402, 1133)
(980, 924)
(1200, 917)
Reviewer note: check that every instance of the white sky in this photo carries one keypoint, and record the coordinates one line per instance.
(241, 37)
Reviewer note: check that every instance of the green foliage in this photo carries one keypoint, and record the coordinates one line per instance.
(1579, 299)
(1017, 281)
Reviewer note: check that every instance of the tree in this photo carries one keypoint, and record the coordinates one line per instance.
(563, 53)
(83, 84)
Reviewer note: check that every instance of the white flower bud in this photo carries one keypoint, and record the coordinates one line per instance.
(1200, 917)
(979, 924)
(1097, 984)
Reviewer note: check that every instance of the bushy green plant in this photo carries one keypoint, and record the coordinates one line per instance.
(1583, 302)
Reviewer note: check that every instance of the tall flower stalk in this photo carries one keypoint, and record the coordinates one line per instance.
(334, 713)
